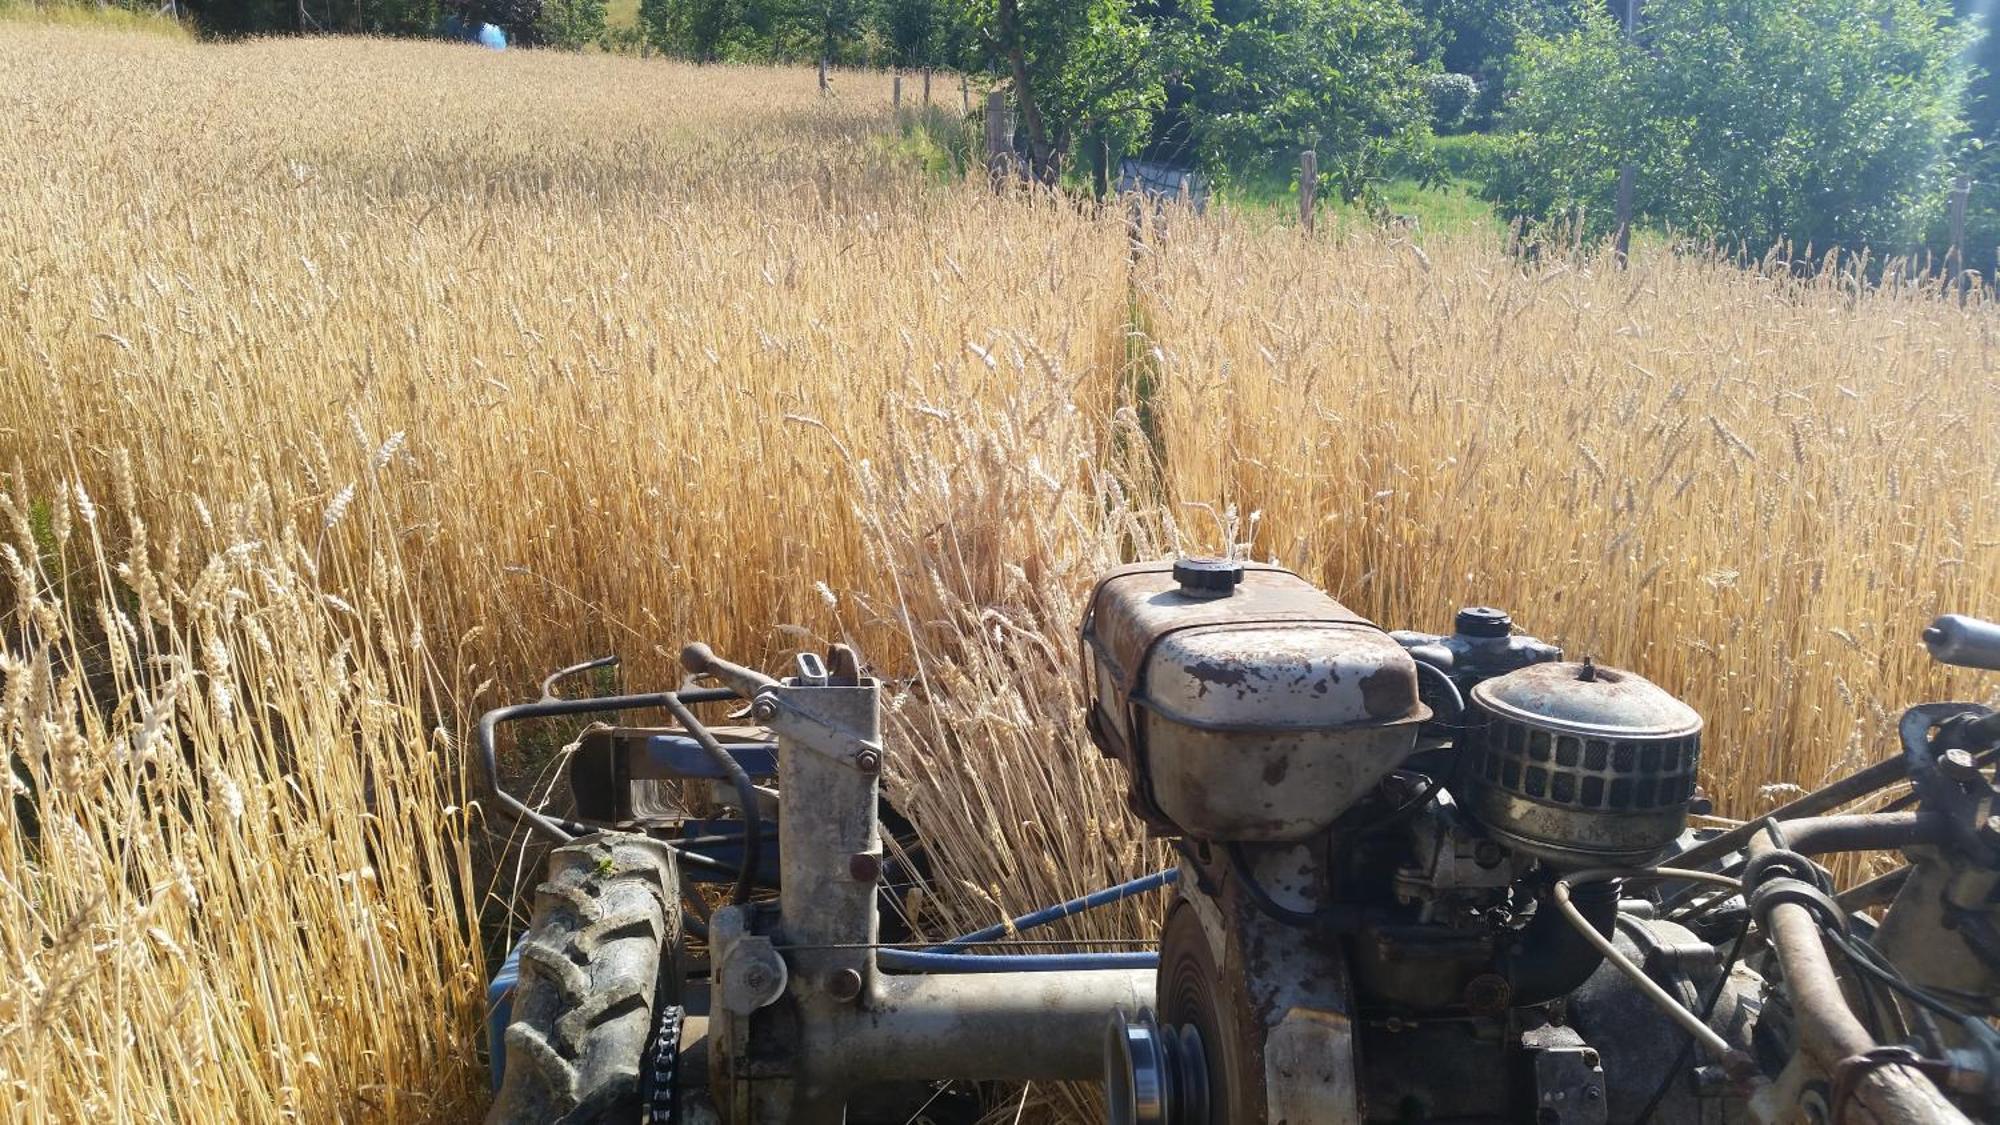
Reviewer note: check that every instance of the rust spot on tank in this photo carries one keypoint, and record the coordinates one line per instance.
(1276, 769)
(1388, 693)
(1221, 673)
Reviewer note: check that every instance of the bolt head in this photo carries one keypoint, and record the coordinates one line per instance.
(1488, 994)
(1958, 765)
(844, 984)
(868, 761)
(757, 976)
(764, 709)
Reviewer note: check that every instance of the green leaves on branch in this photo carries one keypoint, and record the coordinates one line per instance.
(1341, 74)
(1750, 122)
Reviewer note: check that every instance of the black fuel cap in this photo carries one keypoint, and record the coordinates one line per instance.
(1207, 578)
(1483, 621)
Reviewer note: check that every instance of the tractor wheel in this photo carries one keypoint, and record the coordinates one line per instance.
(599, 961)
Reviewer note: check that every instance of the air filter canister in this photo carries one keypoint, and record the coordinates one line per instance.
(1581, 765)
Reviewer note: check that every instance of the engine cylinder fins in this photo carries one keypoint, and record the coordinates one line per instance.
(1582, 765)
(1154, 1074)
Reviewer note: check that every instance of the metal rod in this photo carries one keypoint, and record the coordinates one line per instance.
(1049, 914)
(1818, 835)
(1834, 794)
(746, 795)
(1690, 1022)
(701, 660)
(924, 961)
(1829, 1032)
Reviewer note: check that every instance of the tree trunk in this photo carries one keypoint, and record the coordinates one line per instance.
(1039, 151)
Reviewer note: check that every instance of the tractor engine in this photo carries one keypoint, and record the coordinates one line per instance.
(1370, 828)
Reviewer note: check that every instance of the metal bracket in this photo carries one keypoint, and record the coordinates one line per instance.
(753, 976)
(1569, 1077)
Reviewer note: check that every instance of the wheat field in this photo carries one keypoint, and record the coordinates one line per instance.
(347, 387)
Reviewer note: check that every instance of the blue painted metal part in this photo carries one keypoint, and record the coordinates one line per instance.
(500, 1010)
(679, 755)
(1056, 913)
(492, 37)
(916, 961)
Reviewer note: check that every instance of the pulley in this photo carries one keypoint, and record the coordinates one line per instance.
(1154, 1075)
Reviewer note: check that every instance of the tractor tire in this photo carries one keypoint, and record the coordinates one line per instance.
(600, 958)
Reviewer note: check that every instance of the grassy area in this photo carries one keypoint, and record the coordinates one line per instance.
(1450, 204)
(63, 13)
(937, 140)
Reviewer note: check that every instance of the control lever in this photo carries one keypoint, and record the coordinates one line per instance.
(1965, 641)
(699, 659)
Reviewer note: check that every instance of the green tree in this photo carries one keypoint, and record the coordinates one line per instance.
(1342, 73)
(570, 24)
(1477, 37)
(1219, 82)
(1818, 122)
(835, 30)
(1087, 67)
(918, 32)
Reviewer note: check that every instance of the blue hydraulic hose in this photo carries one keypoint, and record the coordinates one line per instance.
(1049, 914)
(923, 961)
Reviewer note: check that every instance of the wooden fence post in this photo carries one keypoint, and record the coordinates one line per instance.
(964, 97)
(1308, 188)
(927, 87)
(1100, 165)
(896, 92)
(1961, 195)
(823, 88)
(999, 146)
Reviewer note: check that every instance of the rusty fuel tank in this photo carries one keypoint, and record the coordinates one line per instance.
(1245, 703)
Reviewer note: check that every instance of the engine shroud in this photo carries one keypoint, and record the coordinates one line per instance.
(1581, 765)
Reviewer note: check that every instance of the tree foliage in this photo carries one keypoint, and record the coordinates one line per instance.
(1478, 37)
(1820, 122)
(840, 31)
(570, 24)
(1339, 74)
(1449, 95)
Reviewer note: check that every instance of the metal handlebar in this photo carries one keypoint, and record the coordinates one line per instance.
(563, 831)
(1965, 641)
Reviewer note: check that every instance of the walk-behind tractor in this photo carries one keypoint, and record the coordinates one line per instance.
(1420, 878)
